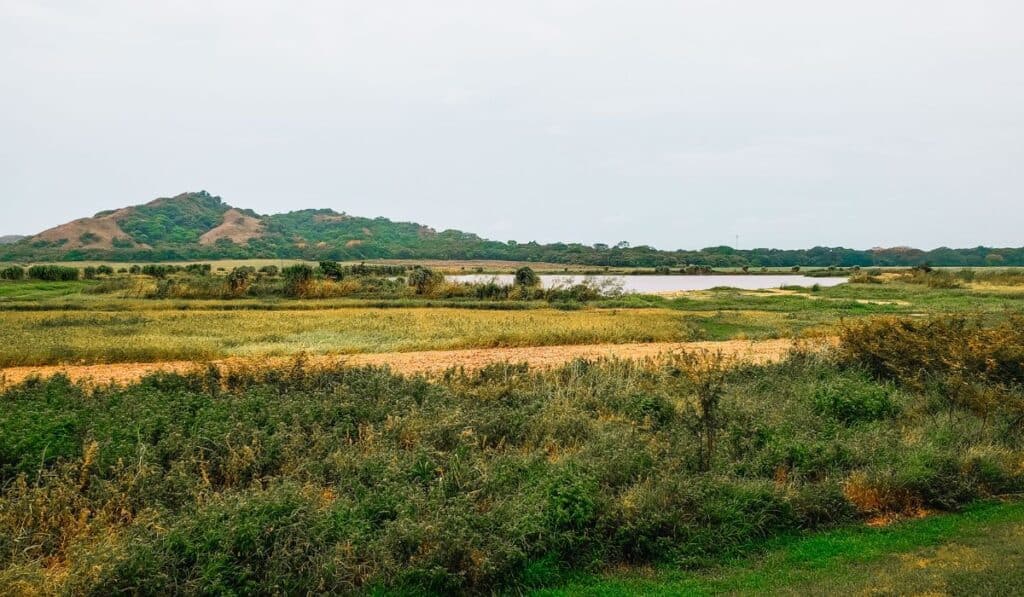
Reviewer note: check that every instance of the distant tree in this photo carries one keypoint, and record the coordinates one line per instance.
(14, 272)
(525, 276)
(240, 279)
(424, 279)
(332, 270)
(297, 279)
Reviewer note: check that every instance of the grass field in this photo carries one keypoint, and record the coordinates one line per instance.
(36, 338)
(977, 552)
(690, 474)
(300, 479)
(57, 323)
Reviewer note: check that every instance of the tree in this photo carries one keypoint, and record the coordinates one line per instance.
(297, 279)
(332, 270)
(424, 279)
(240, 278)
(525, 276)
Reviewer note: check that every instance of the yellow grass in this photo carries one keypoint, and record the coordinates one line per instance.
(37, 338)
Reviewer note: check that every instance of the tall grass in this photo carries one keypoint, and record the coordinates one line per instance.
(37, 338)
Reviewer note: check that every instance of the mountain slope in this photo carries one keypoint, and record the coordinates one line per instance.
(200, 226)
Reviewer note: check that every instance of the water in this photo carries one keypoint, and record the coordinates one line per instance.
(653, 284)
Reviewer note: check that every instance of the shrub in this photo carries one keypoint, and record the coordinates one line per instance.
(14, 272)
(332, 270)
(915, 351)
(89, 273)
(239, 279)
(525, 276)
(297, 279)
(53, 273)
(105, 270)
(853, 399)
(159, 271)
(424, 280)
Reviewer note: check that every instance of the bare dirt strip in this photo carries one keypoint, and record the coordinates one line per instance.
(434, 361)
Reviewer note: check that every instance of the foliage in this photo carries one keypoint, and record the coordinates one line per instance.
(297, 279)
(305, 479)
(424, 279)
(53, 273)
(14, 272)
(525, 276)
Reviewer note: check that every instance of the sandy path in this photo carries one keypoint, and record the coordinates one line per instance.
(422, 362)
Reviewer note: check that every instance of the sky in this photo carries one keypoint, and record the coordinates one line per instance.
(677, 124)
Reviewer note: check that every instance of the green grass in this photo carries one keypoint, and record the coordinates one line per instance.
(976, 552)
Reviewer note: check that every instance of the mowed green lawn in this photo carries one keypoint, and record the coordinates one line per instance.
(977, 552)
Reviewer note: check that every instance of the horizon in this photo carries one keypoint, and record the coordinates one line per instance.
(791, 125)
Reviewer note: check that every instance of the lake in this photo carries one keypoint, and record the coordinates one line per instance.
(653, 284)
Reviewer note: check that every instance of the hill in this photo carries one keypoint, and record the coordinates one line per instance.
(10, 239)
(201, 226)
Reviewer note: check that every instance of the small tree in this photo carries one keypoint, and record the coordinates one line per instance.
(297, 279)
(332, 270)
(525, 276)
(424, 279)
(240, 278)
(706, 372)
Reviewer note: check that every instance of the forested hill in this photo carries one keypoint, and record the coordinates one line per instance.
(194, 226)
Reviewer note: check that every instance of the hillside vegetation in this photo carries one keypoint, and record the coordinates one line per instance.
(201, 226)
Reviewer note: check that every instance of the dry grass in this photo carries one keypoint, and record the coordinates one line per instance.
(428, 362)
(90, 337)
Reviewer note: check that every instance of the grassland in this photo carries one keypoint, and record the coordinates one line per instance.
(62, 323)
(48, 337)
(299, 479)
(687, 474)
(976, 552)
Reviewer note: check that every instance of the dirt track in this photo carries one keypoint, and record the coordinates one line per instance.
(423, 362)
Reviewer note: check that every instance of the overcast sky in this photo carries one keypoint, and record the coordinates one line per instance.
(678, 124)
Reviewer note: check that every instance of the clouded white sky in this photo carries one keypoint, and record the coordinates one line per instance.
(677, 124)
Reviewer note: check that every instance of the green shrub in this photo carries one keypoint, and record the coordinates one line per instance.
(53, 273)
(525, 276)
(424, 279)
(14, 272)
(297, 279)
(853, 399)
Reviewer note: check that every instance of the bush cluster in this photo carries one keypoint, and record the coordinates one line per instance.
(340, 480)
(53, 273)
